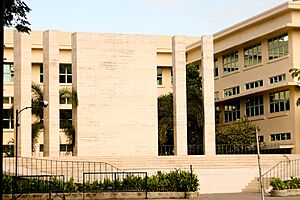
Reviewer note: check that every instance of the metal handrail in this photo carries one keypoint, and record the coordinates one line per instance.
(70, 169)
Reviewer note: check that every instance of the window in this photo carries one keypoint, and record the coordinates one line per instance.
(232, 111)
(8, 72)
(159, 76)
(217, 96)
(171, 76)
(232, 91)
(8, 119)
(65, 73)
(280, 101)
(65, 100)
(41, 73)
(278, 46)
(280, 136)
(252, 55)
(255, 106)
(65, 148)
(230, 62)
(254, 84)
(216, 70)
(261, 139)
(65, 117)
(41, 147)
(277, 79)
(8, 100)
(217, 117)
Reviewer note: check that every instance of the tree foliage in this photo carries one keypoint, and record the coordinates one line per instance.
(15, 15)
(296, 74)
(38, 112)
(238, 132)
(194, 111)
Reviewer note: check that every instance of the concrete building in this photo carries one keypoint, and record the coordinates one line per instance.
(118, 78)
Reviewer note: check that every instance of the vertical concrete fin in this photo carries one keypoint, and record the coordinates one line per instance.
(22, 90)
(51, 92)
(179, 96)
(207, 67)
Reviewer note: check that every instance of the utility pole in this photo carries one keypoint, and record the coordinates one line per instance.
(259, 167)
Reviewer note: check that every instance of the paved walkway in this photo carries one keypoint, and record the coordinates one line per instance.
(243, 196)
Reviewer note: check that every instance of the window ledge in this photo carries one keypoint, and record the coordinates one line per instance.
(65, 84)
(278, 59)
(252, 67)
(217, 77)
(278, 114)
(231, 73)
(160, 86)
(256, 118)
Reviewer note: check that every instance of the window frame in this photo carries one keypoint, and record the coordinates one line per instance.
(65, 73)
(255, 106)
(230, 62)
(278, 45)
(232, 114)
(159, 76)
(252, 53)
(279, 101)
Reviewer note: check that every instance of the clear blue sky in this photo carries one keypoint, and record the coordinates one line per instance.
(168, 17)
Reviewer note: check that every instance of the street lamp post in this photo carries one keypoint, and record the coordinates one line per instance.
(44, 104)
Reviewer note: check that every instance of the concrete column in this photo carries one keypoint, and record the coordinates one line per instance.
(51, 92)
(179, 95)
(22, 90)
(207, 68)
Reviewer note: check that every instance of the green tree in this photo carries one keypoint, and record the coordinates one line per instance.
(238, 132)
(165, 119)
(194, 110)
(15, 15)
(296, 74)
(38, 112)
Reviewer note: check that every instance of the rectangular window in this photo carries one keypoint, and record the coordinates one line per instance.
(217, 117)
(65, 73)
(65, 100)
(252, 55)
(8, 100)
(255, 106)
(277, 79)
(232, 111)
(254, 84)
(278, 46)
(8, 119)
(280, 136)
(171, 76)
(8, 76)
(217, 96)
(261, 139)
(41, 147)
(41, 73)
(65, 117)
(159, 76)
(65, 148)
(232, 91)
(230, 62)
(216, 70)
(280, 101)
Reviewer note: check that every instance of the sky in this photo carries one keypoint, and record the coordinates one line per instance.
(162, 17)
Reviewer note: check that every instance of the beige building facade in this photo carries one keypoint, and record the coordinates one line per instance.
(118, 77)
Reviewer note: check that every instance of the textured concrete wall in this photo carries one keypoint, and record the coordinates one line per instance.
(179, 96)
(207, 67)
(115, 77)
(51, 92)
(22, 90)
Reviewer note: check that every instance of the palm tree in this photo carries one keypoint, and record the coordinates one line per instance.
(38, 112)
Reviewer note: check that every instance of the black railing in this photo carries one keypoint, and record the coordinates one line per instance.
(70, 169)
(166, 150)
(115, 181)
(250, 149)
(284, 170)
(195, 149)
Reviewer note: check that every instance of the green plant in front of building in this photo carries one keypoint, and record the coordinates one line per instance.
(175, 181)
(239, 132)
(279, 184)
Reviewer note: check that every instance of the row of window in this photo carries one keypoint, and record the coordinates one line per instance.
(276, 137)
(279, 101)
(65, 73)
(65, 116)
(277, 47)
(255, 84)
